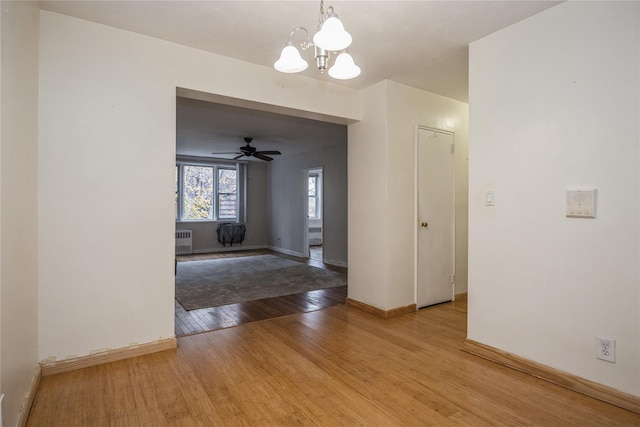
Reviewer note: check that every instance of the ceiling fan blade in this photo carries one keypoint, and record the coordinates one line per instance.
(238, 156)
(262, 157)
(269, 152)
(229, 152)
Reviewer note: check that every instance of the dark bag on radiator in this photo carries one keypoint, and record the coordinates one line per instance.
(230, 233)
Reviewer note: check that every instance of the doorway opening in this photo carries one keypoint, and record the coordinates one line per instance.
(211, 128)
(314, 213)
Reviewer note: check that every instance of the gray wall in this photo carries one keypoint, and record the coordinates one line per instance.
(286, 203)
(275, 207)
(204, 233)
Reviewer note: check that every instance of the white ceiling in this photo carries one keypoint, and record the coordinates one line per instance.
(423, 44)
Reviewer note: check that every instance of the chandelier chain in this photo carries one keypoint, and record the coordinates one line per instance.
(321, 16)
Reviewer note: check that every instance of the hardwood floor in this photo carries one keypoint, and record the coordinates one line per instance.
(212, 318)
(333, 367)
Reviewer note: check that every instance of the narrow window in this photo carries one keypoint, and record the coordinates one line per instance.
(313, 197)
(227, 193)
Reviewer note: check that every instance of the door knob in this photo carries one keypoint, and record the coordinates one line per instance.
(424, 224)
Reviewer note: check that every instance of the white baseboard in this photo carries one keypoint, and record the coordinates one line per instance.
(273, 248)
(287, 251)
(229, 249)
(335, 263)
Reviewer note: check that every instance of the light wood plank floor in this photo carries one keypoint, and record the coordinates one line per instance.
(213, 318)
(333, 367)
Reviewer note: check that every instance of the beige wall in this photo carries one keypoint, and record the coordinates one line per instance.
(205, 238)
(551, 112)
(18, 213)
(367, 166)
(409, 107)
(382, 191)
(107, 121)
(107, 118)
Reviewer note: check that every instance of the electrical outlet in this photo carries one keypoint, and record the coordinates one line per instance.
(606, 349)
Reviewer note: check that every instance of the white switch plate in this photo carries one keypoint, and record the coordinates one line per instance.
(581, 203)
(490, 198)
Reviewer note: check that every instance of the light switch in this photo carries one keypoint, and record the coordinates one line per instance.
(581, 203)
(490, 198)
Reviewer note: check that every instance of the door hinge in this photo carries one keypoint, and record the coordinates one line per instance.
(452, 278)
(453, 148)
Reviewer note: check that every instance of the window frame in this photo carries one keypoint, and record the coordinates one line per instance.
(317, 196)
(217, 192)
(215, 210)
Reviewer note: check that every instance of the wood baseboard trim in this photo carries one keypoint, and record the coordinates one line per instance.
(555, 376)
(378, 312)
(31, 395)
(107, 356)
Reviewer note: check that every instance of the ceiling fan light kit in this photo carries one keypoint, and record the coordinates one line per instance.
(331, 37)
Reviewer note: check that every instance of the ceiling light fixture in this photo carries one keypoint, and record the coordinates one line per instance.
(331, 37)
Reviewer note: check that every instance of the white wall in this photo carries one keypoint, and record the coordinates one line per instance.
(382, 191)
(106, 174)
(287, 192)
(18, 202)
(555, 104)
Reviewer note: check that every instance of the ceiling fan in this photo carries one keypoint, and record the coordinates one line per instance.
(250, 151)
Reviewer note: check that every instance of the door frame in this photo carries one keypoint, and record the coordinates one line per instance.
(416, 218)
(305, 234)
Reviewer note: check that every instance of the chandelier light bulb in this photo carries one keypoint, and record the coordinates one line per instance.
(290, 60)
(332, 36)
(344, 68)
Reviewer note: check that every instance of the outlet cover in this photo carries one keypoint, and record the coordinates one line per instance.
(606, 349)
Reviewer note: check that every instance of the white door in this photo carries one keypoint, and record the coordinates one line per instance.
(436, 203)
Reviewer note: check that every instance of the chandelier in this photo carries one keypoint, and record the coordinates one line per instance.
(331, 37)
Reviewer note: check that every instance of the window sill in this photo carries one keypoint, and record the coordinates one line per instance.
(204, 221)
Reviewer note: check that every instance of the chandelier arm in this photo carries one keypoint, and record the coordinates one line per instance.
(306, 43)
(335, 39)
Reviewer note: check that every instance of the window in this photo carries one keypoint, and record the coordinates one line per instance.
(197, 194)
(313, 197)
(207, 192)
(227, 193)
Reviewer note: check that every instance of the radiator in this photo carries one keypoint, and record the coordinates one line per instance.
(184, 242)
(315, 235)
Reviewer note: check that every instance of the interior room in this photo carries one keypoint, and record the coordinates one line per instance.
(539, 103)
(271, 172)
